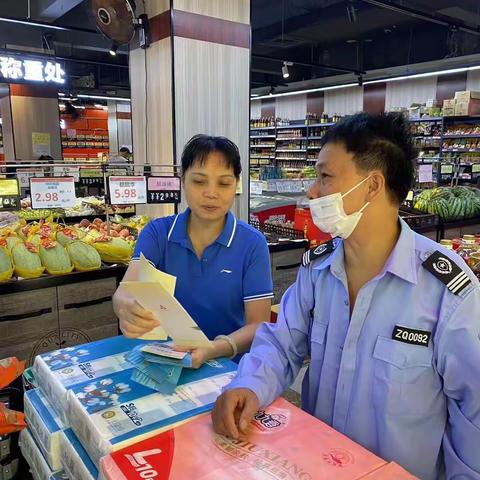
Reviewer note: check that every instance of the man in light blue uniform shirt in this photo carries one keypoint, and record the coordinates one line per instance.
(389, 318)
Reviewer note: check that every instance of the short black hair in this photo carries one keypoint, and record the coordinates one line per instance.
(379, 141)
(124, 149)
(200, 146)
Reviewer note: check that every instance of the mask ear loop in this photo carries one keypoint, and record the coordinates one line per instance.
(356, 186)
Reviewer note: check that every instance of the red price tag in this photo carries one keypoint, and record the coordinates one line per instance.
(52, 192)
(127, 190)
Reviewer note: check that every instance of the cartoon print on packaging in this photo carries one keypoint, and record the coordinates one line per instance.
(97, 396)
(64, 357)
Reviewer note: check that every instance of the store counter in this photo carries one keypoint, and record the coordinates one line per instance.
(43, 314)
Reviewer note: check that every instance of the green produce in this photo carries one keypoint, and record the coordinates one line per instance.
(26, 261)
(84, 257)
(55, 259)
(6, 267)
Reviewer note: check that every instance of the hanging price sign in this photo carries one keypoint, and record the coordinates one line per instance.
(256, 187)
(24, 175)
(56, 192)
(164, 190)
(476, 168)
(9, 194)
(446, 169)
(91, 177)
(127, 190)
(67, 172)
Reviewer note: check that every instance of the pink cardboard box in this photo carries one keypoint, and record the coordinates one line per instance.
(284, 443)
(392, 471)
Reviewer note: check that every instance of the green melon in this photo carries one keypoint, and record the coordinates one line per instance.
(27, 264)
(56, 260)
(84, 257)
(6, 267)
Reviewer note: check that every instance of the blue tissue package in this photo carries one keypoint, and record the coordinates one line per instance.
(112, 412)
(45, 425)
(60, 370)
(75, 460)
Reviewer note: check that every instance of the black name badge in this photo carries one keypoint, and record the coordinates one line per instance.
(412, 336)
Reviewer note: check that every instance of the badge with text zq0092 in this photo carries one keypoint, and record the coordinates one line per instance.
(447, 272)
(412, 336)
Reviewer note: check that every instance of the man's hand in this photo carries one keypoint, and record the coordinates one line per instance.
(233, 411)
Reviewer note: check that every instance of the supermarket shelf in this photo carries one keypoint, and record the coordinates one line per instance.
(434, 137)
(262, 157)
(462, 150)
(463, 118)
(283, 127)
(314, 147)
(426, 119)
(462, 136)
(291, 138)
(262, 146)
(291, 150)
(315, 138)
(302, 159)
(330, 124)
(262, 136)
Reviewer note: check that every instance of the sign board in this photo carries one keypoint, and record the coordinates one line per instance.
(67, 172)
(91, 177)
(39, 71)
(41, 144)
(446, 169)
(54, 192)
(164, 190)
(9, 194)
(24, 175)
(127, 190)
(476, 168)
(289, 186)
(425, 173)
(256, 187)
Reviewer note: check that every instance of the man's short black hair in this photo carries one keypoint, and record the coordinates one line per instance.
(125, 150)
(379, 141)
(200, 146)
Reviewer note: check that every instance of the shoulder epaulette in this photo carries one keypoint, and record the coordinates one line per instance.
(448, 272)
(319, 251)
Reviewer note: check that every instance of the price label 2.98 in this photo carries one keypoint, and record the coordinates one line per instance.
(53, 192)
(127, 190)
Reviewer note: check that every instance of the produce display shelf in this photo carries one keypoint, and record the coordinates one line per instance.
(78, 218)
(462, 136)
(426, 119)
(466, 222)
(47, 281)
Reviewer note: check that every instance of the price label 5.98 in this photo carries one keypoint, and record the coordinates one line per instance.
(127, 190)
(52, 192)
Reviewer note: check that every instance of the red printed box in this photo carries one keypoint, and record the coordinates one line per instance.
(279, 447)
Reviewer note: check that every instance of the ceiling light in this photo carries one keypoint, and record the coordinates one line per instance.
(113, 49)
(272, 91)
(285, 71)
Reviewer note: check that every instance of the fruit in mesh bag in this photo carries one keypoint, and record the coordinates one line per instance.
(84, 257)
(6, 267)
(114, 250)
(55, 258)
(26, 261)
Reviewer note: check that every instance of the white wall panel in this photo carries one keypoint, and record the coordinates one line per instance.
(344, 101)
(405, 92)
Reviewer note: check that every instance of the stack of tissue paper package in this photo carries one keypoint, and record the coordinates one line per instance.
(88, 406)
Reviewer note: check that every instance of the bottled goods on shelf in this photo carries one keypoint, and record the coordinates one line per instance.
(263, 122)
(290, 133)
(470, 252)
(463, 129)
(317, 131)
(291, 145)
(262, 142)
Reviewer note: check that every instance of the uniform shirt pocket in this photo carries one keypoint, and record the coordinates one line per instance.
(405, 381)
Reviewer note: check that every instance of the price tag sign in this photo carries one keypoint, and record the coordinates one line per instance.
(55, 192)
(446, 169)
(9, 194)
(256, 187)
(24, 175)
(127, 190)
(91, 177)
(67, 172)
(425, 173)
(476, 168)
(290, 186)
(164, 190)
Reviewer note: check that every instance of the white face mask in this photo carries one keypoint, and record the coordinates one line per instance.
(329, 215)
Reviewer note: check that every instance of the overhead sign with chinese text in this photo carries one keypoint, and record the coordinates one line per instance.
(41, 71)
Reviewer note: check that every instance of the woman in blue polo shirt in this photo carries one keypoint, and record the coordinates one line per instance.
(222, 264)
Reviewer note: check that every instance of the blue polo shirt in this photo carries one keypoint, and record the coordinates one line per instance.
(233, 270)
